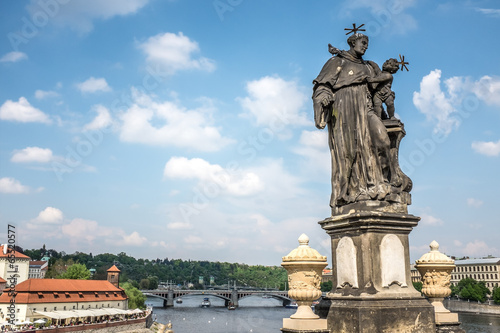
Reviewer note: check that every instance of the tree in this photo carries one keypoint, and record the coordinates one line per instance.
(144, 284)
(472, 290)
(496, 295)
(76, 272)
(136, 299)
(418, 286)
(326, 286)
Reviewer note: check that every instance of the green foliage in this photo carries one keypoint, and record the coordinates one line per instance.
(418, 286)
(144, 284)
(496, 295)
(76, 272)
(326, 286)
(179, 271)
(136, 299)
(472, 290)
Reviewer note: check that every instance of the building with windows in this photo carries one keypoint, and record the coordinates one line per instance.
(52, 298)
(486, 269)
(14, 266)
(38, 269)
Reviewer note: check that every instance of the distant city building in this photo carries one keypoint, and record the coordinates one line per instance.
(18, 269)
(486, 269)
(38, 269)
(327, 275)
(415, 274)
(52, 298)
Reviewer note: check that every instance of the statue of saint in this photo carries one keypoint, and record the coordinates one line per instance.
(359, 143)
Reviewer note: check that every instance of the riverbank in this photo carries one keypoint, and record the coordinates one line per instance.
(471, 307)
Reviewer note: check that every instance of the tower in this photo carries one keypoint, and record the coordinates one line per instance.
(114, 276)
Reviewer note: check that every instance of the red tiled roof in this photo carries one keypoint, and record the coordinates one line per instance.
(63, 291)
(2, 280)
(113, 269)
(9, 250)
(37, 262)
(62, 285)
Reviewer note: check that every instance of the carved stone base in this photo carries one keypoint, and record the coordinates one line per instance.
(372, 289)
(381, 315)
(304, 325)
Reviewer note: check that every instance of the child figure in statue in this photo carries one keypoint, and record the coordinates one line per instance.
(383, 92)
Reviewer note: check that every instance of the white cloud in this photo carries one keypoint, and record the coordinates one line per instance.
(272, 101)
(12, 186)
(92, 85)
(49, 215)
(434, 104)
(42, 94)
(478, 248)
(13, 57)
(489, 11)
(79, 14)
(179, 226)
(192, 239)
(463, 96)
(427, 219)
(170, 52)
(313, 146)
(486, 148)
(388, 14)
(240, 183)
(168, 124)
(81, 229)
(487, 89)
(102, 120)
(22, 111)
(476, 203)
(134, 239)
(32, 154)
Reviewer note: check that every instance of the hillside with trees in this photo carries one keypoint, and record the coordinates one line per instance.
(147, 274)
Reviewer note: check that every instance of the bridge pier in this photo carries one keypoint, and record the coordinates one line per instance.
(169, 302)
(234, 298)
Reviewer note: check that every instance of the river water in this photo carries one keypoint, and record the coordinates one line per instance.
(261, 315)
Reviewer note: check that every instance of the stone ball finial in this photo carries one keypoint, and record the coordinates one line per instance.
(304, 252)
(304, 240)
(434, 256)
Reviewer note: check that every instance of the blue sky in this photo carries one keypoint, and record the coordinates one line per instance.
(184, 129)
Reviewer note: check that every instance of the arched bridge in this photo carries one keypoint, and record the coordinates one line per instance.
(229, 296)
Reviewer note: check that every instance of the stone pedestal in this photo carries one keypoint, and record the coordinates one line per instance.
(372, 289)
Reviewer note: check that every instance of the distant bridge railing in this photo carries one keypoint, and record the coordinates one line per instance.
(229, 296)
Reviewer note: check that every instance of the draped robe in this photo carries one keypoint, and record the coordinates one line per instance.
(352, 123)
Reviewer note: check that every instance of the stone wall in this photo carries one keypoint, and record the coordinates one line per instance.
(474, 307)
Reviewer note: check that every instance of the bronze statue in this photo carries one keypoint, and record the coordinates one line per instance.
(363, 166)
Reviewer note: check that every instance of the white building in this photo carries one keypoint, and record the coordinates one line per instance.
(38, 269)
(14, 266)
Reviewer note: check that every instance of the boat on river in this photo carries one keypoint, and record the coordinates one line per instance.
(178, 300)
(205, 303)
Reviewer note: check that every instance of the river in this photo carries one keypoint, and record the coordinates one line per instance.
(262, 315)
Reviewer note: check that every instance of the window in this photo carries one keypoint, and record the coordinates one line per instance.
(73, 307)
(45, 309)
(55, 308)
(65, 307)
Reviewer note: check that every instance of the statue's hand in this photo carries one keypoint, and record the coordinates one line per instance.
(321, 125)
(327, 100)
